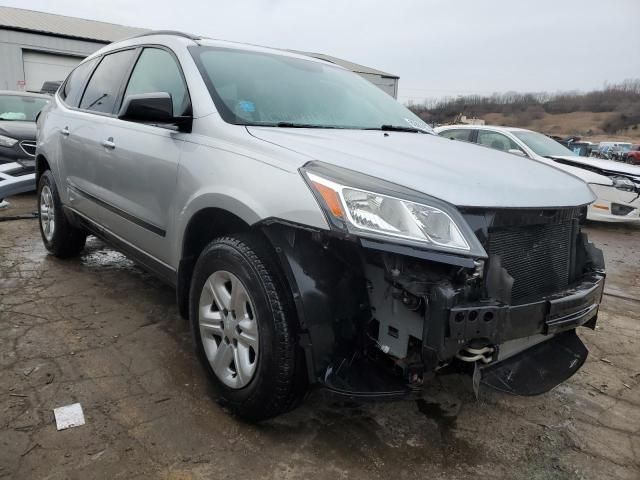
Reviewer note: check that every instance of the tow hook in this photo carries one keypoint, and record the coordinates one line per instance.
(469, 354)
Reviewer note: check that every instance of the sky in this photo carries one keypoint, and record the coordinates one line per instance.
(438, 48)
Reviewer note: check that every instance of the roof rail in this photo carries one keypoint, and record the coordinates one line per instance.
(190, 36)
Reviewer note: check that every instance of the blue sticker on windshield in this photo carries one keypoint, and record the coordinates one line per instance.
(247, 106)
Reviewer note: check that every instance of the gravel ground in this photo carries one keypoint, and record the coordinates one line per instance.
(100, 331)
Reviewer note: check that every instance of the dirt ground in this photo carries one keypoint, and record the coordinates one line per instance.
(99, 331)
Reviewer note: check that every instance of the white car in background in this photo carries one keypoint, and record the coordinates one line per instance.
(617, 185)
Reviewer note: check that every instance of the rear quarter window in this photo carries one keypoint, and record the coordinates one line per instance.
(72, 89)
(103, 87)
(463, 134)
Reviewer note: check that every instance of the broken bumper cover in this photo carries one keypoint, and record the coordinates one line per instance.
(538, 369)
(549, 349)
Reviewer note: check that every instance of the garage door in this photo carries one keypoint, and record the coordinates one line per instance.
(41, 67)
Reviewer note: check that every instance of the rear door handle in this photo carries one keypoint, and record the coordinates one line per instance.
(65, 131)
(108, 143)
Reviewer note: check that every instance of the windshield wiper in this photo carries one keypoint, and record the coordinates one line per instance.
(299, 125)
(398, 128)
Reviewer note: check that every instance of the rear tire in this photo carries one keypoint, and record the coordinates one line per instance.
(59, 236)
(239, 302)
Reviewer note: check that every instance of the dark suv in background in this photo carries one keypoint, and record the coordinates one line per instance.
(18, 112)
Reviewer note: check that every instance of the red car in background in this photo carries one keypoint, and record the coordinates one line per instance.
(633, 155)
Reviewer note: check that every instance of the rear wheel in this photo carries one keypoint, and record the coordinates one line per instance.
(245, 327)
(59, 236)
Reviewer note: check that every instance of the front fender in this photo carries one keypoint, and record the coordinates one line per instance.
(250, 189)
(328, 288)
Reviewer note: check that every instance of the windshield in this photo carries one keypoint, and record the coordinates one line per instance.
(543, 145)
(19, 107)
(255, 88)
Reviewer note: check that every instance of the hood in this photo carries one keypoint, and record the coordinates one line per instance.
(18, 130)
(456, 172)
(606, 166)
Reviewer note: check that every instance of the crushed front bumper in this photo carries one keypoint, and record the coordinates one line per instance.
(566, 310)
(534, 345)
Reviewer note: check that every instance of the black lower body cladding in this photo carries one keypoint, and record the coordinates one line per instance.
(377, 319)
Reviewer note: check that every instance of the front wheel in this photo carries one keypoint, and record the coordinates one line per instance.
(59, 236)
(245, 327)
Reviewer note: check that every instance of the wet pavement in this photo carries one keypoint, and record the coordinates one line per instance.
(100, 331)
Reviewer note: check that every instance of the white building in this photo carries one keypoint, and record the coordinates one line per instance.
(36, 47)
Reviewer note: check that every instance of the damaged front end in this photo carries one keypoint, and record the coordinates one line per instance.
(379, 317)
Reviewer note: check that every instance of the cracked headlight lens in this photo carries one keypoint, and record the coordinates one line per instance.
(623, 183)
(7, 141)
(372, 214)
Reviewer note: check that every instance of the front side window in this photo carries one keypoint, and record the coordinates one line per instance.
(102, 89)
(463, 134)
(256, 88)
(543, 145)
(20, 107)
(157, 71)
(497, 141)
(72, 89)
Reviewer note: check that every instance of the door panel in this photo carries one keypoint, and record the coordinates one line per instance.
(81, 129)
(79, 154)
(137, 181)
(139, 166)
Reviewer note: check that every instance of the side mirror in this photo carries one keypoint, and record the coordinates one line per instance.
(517, 151)
(156, 107)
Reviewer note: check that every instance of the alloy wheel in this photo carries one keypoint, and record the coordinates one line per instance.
(229, 329)
(47, 213)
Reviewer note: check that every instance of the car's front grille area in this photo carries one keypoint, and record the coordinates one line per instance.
(28, 147)
(538, 257)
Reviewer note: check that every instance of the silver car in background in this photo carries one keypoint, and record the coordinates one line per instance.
(315, 230)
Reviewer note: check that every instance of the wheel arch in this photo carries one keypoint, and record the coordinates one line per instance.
(42, 165)
(201, 228)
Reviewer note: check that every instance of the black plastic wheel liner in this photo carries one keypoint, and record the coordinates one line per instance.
(537, 369)
(361, 378)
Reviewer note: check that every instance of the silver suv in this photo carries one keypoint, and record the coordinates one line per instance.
(316, 231)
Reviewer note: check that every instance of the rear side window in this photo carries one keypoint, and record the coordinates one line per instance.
(72, 89)
(496, 141)
(157, 71)
(463, 134)
(103, 87)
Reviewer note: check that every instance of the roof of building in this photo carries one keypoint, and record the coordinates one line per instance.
(92, 30)
(60, 25)
(354, 67)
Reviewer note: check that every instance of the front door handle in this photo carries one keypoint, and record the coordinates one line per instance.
(65, 131)
(108, 143)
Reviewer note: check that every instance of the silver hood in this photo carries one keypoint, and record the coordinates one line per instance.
(458, 173)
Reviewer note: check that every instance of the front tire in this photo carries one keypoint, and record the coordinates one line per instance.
(59, 236)
(245, 327)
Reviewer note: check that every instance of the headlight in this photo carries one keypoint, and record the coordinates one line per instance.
(7, 141)
(623, 183)
(366, 211)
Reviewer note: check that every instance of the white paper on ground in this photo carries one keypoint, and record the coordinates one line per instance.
(69, 416)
